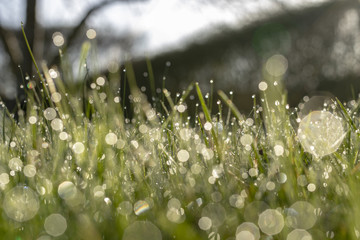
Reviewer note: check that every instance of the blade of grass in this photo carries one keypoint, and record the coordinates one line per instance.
(35, 64)
(208, 118)
(231, 105)
(352, 124)
(151, 76)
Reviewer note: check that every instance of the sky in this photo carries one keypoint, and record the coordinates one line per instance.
(163, 23)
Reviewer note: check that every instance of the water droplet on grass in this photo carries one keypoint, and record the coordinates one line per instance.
(55, 225)
(207, 126)
(311, 187)
(141, 207)
(174, 203)
(247, 230)
(302, 180)
(236, 200)
(29, 170)
(142, 230)
(276, 65)
(58, 39)
(21, 203)
(205, 223)
(56, 97)
(299, 234)
(125, 208)
(270, 186)
(91, 33)
(183, 155)
(246, 139)
(301, 216)
(263, 86)
(216, 212)
(181, 108)
(111, 138)
(279, 150)
(78, 148)
(15, 164)
(245, 235)
(185, 134)
(67, 190)
(4, 178)
(281, 177)
(321, 133)
(271, 222)
(57, 124)
(50, 113)
(63, 136)
(32, 120)
(44, 237)
(100, 81)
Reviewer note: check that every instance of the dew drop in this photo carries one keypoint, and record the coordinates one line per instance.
(78, 147)
(53, 73)
(29, 170)
(55, 225)
(311, 187)
(279, 150)
(63, 136)
(281, 177)
(141, 207)
(67, 190)
(183, 155)
(142, 230)
(56, 97)
(271, 222)
(57, 124)
(15, 164)
(276, 65)
(58, 39)
(246, 139)
(216, 212)
(204, 223)
(245, 235)
(111, 138)
(4, 178)
(302, 180)
(21, 203)
(207, 126)
(236, 200)
(125, 208)
(247, 230)
(299, 234)
(301, 216)
(100, 81)
(185, 134)
(262, 86)
(270, 186)
(91, 33)
(181, 108)
(32, 120)
(321, 133)
(50, 114)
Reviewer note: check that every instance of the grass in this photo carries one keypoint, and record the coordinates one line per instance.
(77, 165)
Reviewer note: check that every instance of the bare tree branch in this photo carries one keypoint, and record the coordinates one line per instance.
(75, 31)
(11, 47)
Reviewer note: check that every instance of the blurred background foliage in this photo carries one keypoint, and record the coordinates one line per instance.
(313, 46)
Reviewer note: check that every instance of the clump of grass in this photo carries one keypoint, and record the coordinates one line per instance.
(74, 166)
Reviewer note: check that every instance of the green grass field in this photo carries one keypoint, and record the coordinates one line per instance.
(75, 166)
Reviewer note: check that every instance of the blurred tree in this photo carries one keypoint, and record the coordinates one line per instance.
(320, 46)
(14, 46)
